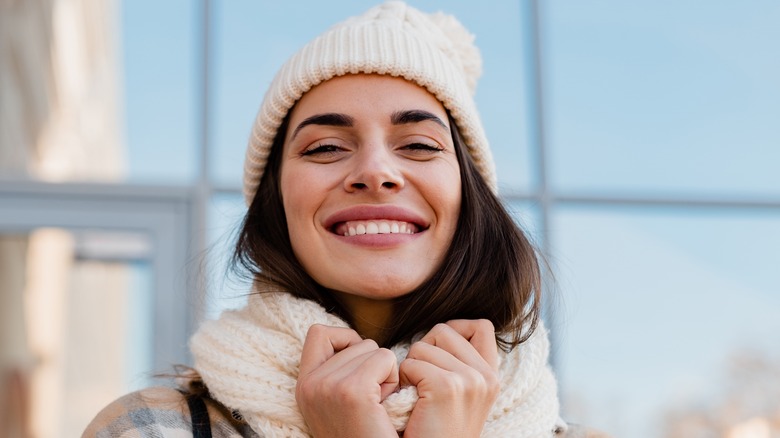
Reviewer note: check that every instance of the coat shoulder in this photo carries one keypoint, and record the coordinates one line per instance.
(157, 411)
(161, 412)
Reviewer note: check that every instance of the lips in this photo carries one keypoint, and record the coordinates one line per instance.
(375, 219)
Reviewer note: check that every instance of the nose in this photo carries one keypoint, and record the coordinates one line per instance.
(374, 170)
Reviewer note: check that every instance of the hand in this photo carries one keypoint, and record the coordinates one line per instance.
(455, 370)
(342, 382)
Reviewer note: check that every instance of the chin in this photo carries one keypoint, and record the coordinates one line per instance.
(384, 291)
(380, 288)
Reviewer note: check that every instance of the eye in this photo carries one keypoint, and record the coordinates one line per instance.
(321, 150)
(422, 148)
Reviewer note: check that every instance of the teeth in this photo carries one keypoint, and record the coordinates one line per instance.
(377, 227)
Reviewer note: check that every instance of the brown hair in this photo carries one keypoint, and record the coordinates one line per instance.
(490, 270)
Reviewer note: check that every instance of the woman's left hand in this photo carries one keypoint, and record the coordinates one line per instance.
(455, 370)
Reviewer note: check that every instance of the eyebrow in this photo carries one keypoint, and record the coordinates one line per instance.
(415, 116)
(327, 119)
(343, 120)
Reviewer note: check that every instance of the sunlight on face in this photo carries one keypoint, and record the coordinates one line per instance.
(371, 185)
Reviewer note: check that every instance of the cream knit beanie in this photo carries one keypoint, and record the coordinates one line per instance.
(432, 50)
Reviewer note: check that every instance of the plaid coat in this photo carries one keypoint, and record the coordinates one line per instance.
(163, 413)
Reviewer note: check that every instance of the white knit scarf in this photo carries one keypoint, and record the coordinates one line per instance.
(249, 360)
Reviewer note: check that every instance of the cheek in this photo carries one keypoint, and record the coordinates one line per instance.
(302, 196)
(295, 214)
(295, 184)
(447, 195)
(292, 189)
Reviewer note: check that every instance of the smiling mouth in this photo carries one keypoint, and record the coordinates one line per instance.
(358, 228)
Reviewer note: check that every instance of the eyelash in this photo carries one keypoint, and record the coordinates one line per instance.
(423, 147)
(329, 149)
(321, 149)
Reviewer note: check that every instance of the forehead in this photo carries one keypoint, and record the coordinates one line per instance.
(363, 95)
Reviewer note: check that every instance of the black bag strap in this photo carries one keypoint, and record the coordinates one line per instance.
(201, 425)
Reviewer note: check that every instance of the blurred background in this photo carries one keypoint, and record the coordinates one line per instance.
(637, 142)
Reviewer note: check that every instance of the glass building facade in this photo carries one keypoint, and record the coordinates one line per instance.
(636, 142)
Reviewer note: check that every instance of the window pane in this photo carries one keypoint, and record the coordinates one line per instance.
(99, 91)
(76, 329)
(160, 71)
(664, 97)
(227, 289)
(528, 216)
(247, 55)
(59, 93)
(669, 319)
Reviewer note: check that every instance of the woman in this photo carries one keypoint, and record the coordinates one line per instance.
(393, 293)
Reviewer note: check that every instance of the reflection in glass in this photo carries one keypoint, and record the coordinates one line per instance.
(646, 99)
(60, 93)
(226, 289)
(670, 319)
(527, 215)
(160, 46)
(76, 331)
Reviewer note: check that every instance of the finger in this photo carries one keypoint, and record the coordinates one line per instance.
(413, 371)
(441, 358)
(323, 342)
(351, 362)
(345, 400)
(380, 366)
(346, 359)
(361, 374)
(471, 341)
(479, 332)
(435, 371)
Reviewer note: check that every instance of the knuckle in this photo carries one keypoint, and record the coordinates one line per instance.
(371, 343)
(439, 330)
(485, 325)
(337, 388)
(473, 379)
(305, 389)
(316, 330)
(385, 354)
(480, 384)
(442, 326)
(346, 393)
(455, 385)
(492, 384)
(414, 350)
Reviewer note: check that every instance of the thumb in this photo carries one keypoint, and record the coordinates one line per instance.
(391, 384)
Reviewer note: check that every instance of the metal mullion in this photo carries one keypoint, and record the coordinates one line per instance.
(541, 192)
(203, 188)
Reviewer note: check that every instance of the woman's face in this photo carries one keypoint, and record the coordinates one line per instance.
(370, 185)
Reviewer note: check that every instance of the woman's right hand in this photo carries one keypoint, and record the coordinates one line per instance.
(342, 382)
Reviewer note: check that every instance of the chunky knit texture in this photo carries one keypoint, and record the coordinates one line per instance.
(249, 359)
(432, 50)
